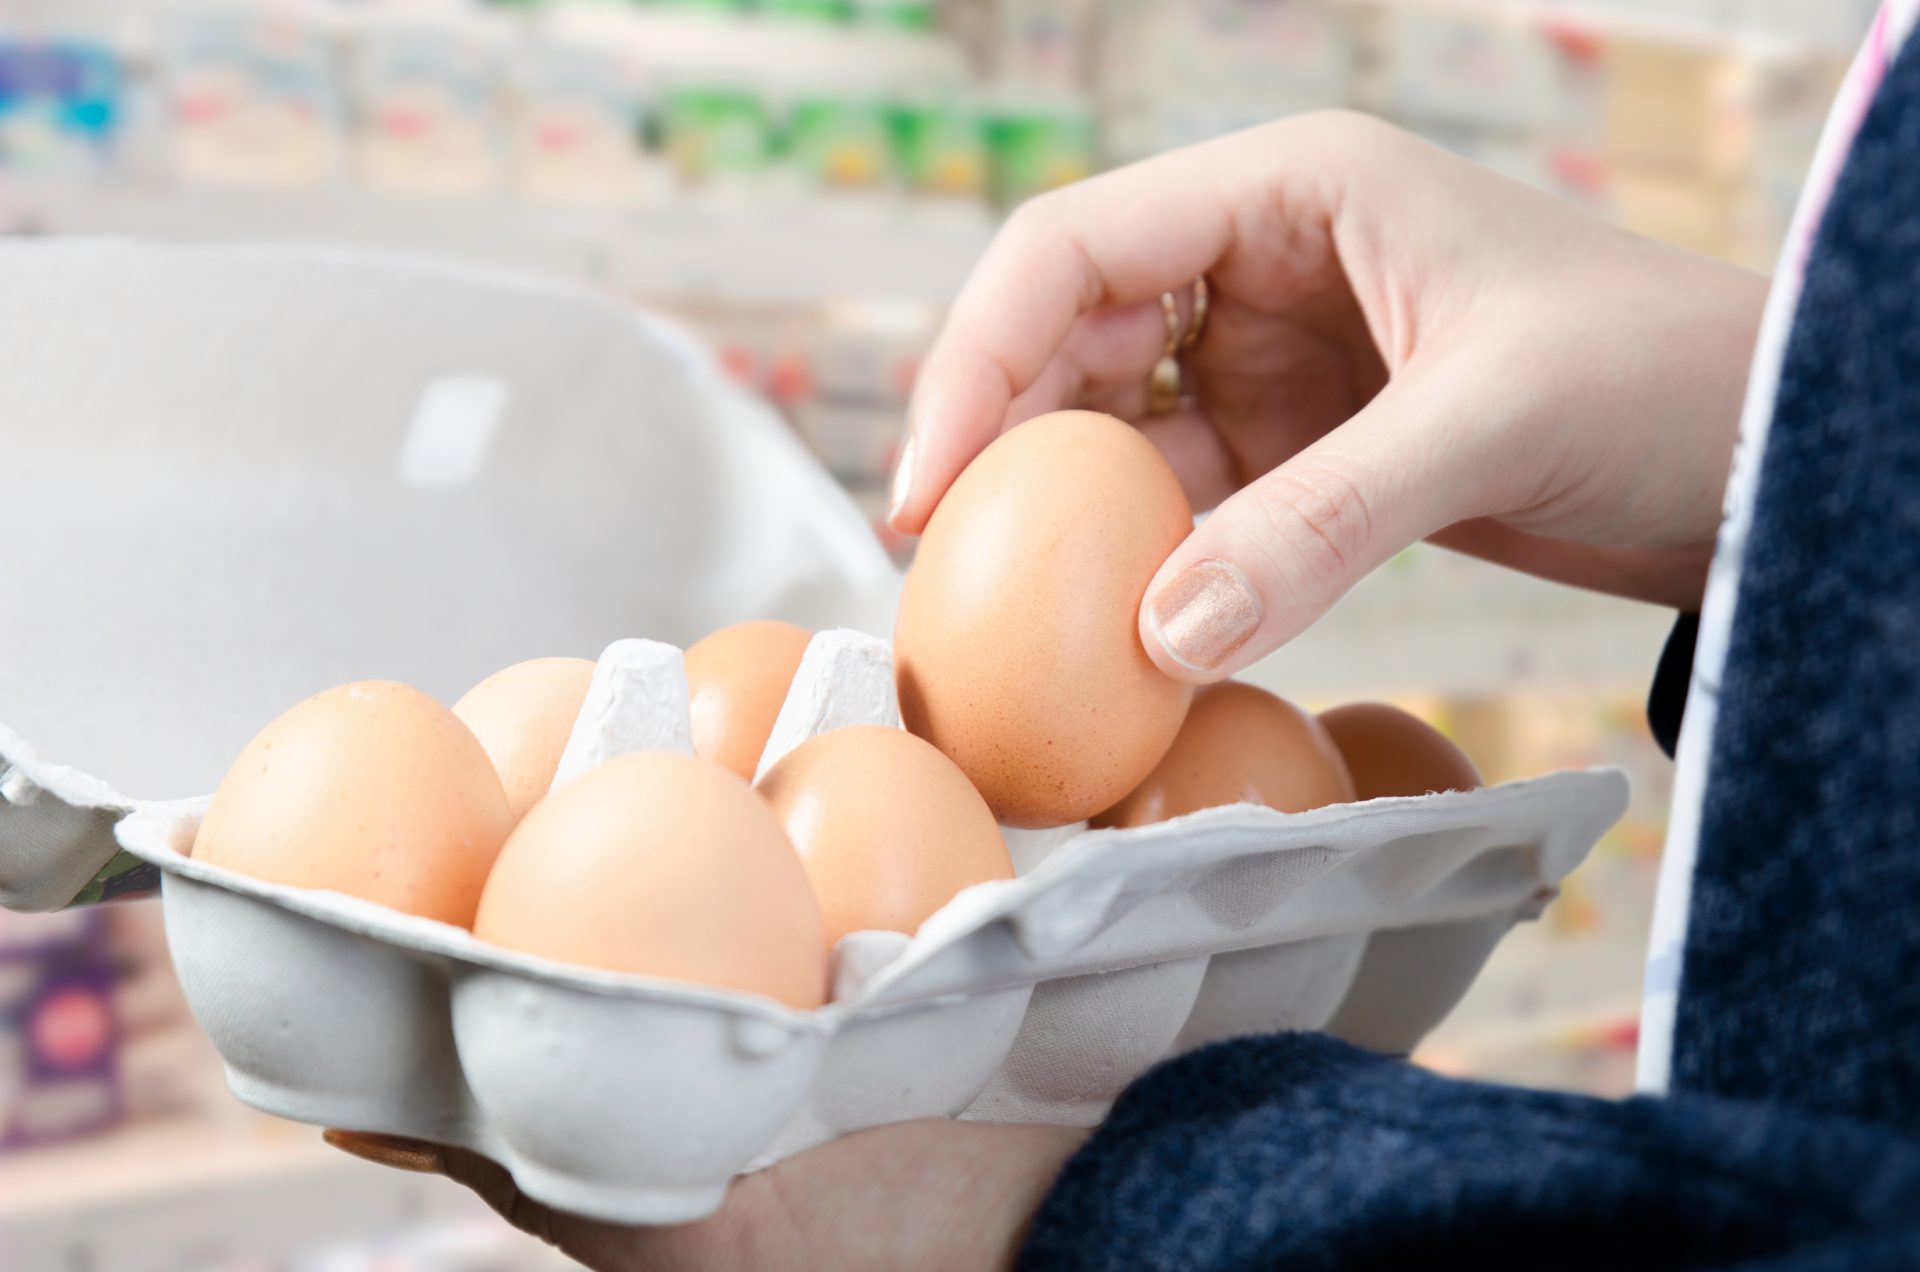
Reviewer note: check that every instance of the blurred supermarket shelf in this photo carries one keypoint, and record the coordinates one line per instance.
(1584, 640)
(812, 252)
(1591, 1052)
(1765, 28)
(772, 158)
(744, 44)
(1432, 620)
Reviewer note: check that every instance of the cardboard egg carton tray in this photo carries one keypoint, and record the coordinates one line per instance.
(531, 470)
(1031, 1000)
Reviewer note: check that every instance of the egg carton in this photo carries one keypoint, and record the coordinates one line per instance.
(531, 470)
(1034, 999)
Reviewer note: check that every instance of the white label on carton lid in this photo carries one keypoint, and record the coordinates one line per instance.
(451, 430)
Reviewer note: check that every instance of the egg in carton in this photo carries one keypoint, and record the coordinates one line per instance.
(1034, 999)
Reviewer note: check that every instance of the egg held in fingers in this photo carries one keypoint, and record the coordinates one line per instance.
(1017, 647)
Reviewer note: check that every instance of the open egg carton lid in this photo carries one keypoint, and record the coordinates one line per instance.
(1028, 1000)
(233, 477)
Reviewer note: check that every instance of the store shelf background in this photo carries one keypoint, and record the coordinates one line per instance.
(808, 182)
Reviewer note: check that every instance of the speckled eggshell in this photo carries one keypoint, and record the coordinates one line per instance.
(372, 789)
(1393, 752)
(523, 716)
(737, 677)
(889, 830)
(1017, 647)
(665, 865)
(1240, 744)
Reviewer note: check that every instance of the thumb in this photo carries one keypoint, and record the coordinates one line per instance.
(1277, 554)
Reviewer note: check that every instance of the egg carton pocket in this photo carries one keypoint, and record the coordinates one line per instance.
(1034, 999)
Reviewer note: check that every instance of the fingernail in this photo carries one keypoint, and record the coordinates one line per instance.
(1205, 615)
(389, 1150)
(902, 480)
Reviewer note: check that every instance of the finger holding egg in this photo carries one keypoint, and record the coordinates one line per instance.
(1017, 649)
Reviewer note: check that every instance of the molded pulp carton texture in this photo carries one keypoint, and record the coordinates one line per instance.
(1031, 1000)
(258, 517)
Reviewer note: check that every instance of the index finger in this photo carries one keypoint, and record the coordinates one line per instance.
(1122, 237)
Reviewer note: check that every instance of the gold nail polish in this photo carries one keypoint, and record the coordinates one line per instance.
(902, 480)
(388, 1150)
(1205, 614)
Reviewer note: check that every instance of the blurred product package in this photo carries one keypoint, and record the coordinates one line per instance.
(612, 104)
(903, 15)
(943, 146)
(842, 374)
(249, 92)
(1506, 72)
(1040, 142)
(1174, 72)
(840, 141)
(717, 134)
(1043, 43)
(59, 1036)
(577, 127)
(862, 360)
(1706, 146)
(61, 96)
(808, 10)
(426, 91)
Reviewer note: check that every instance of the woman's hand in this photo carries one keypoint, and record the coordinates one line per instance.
(1401, 346)
(914, 1195)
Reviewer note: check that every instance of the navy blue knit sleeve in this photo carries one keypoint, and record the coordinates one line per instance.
(1299, 1151)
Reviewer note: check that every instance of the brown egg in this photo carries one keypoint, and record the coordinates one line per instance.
(737, 678)
(372, 789)
(1240, 744)
(664, 865)
(1392, 752)
(1017, 648)
(887, 828)
(523, 716)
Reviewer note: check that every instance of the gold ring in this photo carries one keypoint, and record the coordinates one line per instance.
(1201, 303)
(1163, 387)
